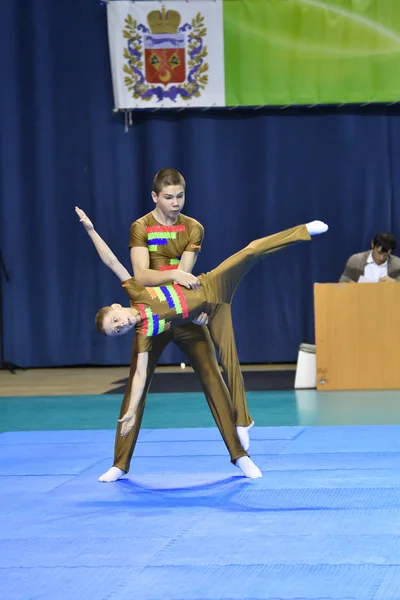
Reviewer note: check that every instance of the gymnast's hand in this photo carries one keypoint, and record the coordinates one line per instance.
(84, 219)
(201, 319)
(128, 421)
(187, 280)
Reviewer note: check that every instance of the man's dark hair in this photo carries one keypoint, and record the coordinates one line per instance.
(385, 240)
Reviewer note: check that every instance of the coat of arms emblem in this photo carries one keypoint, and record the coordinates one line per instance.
(166, 59)
(164, 48)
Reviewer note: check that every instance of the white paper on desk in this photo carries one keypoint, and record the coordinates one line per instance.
(364, 279)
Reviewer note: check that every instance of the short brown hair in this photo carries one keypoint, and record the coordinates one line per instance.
(167, 177)
(99, 318)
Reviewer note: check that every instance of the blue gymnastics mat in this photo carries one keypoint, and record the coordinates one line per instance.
(323, 522)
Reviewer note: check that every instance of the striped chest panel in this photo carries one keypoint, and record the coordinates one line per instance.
(160, 235)
(173, 297)
(151, 323)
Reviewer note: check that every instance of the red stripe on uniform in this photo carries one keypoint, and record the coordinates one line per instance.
(165, 228)
(145, 321)
(185, 310)
(168, 267)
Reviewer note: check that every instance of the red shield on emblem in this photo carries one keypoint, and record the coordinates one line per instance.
(165, 58)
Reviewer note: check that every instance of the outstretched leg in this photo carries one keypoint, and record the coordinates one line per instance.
(221, 283)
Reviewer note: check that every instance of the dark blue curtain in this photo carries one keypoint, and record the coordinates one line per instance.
(249, 173)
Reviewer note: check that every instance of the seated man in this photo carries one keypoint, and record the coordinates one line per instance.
(156, 309)
(374, 265)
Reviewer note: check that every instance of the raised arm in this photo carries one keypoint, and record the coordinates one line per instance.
(138, 383)
(105, 253)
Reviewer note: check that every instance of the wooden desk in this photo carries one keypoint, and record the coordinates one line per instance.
(357, 335)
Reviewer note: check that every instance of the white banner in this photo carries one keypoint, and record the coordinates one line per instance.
(166, 55)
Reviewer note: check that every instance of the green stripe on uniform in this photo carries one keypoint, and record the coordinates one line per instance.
(149, 316)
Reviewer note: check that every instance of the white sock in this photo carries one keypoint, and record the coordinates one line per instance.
(112, 474)
(243, 433)
(316, 227)
(248, 468)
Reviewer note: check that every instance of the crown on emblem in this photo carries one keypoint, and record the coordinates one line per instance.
(164, 21)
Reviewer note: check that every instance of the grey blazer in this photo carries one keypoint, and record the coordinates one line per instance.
(356, 264)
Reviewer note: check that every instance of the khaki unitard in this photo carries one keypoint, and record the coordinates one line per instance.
(227, 403)
(164, 308)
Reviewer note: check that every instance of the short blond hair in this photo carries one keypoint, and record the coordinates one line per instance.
(99, 318)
